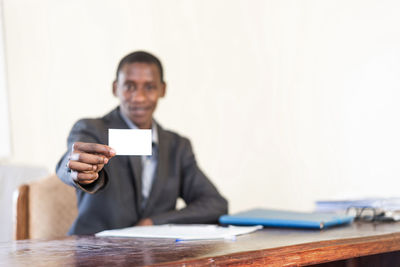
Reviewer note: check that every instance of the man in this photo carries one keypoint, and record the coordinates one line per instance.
(115, 192)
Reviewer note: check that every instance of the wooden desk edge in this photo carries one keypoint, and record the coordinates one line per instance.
(303, 254)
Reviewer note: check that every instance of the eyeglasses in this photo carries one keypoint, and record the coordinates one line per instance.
(367, 214)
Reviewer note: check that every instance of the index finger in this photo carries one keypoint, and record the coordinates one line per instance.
(94, 148)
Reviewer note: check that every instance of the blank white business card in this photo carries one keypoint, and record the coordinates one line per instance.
(132, 142)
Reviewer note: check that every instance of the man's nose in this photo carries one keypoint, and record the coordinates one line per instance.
(139, 95)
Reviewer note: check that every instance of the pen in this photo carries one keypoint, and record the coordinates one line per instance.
(229, 238)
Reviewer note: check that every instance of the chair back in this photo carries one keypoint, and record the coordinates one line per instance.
(44, 209)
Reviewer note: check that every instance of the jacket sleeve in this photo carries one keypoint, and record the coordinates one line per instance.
(83, 131)
(204, 204)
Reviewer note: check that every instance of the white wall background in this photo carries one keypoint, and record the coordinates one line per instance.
(5, 147)
(285, 102)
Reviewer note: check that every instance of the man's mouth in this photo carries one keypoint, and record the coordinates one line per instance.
(139, 111)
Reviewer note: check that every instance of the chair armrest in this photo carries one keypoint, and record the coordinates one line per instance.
(21, 212)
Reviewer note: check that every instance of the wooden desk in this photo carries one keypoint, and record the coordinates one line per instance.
(276, 247)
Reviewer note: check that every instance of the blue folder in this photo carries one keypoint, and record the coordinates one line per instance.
(282, 218)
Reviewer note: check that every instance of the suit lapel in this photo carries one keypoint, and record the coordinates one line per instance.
(161, 172)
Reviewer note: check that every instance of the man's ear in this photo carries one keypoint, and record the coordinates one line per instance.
(114, 88)
(163, 89)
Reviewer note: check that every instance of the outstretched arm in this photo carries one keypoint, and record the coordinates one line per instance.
(82, 165)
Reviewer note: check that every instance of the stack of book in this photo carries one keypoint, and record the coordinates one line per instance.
(385, 208)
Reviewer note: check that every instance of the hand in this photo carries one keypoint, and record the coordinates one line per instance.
(145, 222)
(87, 160)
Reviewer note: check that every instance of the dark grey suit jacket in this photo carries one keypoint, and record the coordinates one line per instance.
(113, 201)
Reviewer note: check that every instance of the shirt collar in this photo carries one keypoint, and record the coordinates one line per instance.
(131, 125)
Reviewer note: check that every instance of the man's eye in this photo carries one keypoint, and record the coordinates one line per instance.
(129, 87)
(150, 87)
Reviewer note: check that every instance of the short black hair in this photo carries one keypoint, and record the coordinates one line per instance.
(142, 57)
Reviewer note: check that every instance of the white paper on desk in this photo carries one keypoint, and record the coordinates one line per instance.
(130, 141)
(182, 232)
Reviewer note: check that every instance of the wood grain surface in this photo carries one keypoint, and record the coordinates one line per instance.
(266, 247)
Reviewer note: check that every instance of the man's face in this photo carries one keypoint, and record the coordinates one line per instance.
(138, 88)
